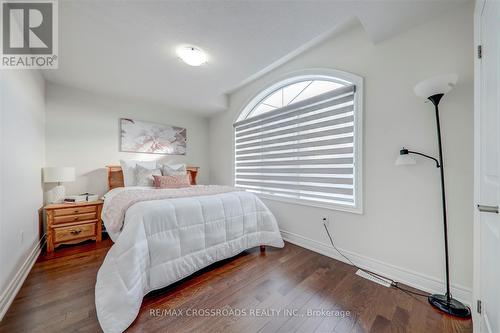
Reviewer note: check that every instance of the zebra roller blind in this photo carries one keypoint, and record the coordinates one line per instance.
(303, 151)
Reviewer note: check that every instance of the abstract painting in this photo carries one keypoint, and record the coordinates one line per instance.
(145, 137)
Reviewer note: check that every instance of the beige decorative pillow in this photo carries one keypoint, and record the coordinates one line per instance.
(128, 168)
(173, 169)
(172, 181)
(144, 176)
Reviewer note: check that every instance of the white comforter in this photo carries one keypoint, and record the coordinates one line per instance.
(163, 241)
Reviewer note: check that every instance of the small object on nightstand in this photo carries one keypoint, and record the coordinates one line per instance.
(81, 197)
(75, 198)
(71, 223)
(90, 196)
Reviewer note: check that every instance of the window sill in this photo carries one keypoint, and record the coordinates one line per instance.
(354, 210)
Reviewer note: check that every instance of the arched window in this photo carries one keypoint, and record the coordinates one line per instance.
(293, 93)
(300, 141)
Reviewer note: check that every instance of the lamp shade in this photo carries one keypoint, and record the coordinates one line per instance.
(192, 56)
(406, 159)
(58, 174)
(441, 84)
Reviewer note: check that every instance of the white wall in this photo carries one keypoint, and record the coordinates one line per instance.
(401, 226)
(22, 148)
(83, 130)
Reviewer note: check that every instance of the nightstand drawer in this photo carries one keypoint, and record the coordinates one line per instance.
(68, 233)
(75, 210)
(75, 218)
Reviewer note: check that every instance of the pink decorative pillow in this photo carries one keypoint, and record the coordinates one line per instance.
(176, 181)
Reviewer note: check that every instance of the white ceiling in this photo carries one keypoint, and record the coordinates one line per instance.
(127, 48)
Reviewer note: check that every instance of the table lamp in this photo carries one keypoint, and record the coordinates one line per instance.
(58, 175)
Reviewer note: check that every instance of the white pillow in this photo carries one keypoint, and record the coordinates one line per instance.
(128, 168)
(173, 169)
(144, 176)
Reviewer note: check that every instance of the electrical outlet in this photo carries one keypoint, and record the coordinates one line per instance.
(326, 221)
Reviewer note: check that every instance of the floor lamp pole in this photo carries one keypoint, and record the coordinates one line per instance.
(445, 302)
(435, 100)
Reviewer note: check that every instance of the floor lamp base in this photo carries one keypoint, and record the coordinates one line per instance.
(452, 307)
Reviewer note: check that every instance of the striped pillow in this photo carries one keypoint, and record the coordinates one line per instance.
(176, 181)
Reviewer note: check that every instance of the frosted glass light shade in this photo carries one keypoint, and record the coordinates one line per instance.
(406, 160)
(58, 174)
(441, 84)
(191, 55)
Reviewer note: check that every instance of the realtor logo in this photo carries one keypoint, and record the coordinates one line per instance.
(29, 34)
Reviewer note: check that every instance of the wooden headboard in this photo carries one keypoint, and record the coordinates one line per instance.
(115, 175)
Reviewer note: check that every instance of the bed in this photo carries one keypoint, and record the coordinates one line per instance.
(164, 235)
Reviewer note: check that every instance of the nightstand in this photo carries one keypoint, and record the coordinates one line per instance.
(71, 223)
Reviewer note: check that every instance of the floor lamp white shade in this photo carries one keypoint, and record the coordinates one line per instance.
(58, 175)
(440, 84)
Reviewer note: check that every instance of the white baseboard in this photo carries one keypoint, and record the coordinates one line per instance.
(17, 281)
(416, 280)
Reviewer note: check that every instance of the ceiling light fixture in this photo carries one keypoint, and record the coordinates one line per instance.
(191, 55)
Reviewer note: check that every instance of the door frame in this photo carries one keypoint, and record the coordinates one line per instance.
(476, 247)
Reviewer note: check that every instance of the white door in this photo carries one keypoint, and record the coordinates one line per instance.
(487, 172)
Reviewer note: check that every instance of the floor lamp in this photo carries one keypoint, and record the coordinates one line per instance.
(434, 89)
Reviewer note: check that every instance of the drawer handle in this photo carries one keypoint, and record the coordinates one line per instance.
(75, 231)
(76, 218)
(76, 211)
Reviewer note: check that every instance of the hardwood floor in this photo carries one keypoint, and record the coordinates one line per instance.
(58, 296)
